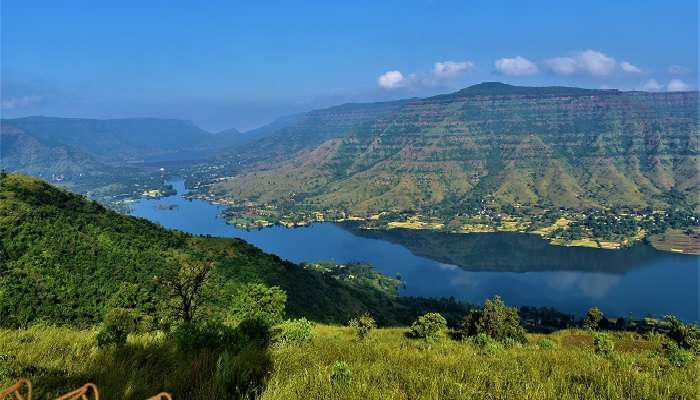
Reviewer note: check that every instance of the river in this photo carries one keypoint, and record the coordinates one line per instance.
(522, 268)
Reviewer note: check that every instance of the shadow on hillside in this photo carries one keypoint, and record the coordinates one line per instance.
(140, 370)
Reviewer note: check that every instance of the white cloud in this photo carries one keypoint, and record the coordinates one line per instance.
(392, 80)
(589, 62)
(596, 63)
(562, 65)
(652, 86)
(450, 69)
(676, 70)
(516, 66)
(677, 85)
(441, 72)
(627, 67)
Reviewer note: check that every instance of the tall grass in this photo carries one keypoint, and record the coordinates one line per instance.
(58, 360)
(389, 366)
(386, 365)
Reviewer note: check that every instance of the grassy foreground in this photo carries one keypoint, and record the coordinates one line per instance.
(384, 366)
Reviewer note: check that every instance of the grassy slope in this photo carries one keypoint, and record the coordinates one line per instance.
(386, 366)
(390, 366)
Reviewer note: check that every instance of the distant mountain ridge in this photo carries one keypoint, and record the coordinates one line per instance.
(556, 146)
(48, 146)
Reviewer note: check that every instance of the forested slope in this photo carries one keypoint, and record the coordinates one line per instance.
(62, 257)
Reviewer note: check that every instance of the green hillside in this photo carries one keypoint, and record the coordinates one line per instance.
(550, 146)
(62, 258)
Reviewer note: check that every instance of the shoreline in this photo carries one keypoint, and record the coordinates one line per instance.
(673, 240)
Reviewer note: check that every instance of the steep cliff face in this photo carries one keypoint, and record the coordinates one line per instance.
(559, 146)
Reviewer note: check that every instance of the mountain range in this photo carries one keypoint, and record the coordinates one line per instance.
(552, 146)
(47, 146)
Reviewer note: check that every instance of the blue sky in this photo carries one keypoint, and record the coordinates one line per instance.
(241, 64)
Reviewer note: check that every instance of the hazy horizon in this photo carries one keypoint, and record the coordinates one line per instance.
(225, 66)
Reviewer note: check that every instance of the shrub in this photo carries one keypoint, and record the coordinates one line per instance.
(257, 301)
(250, 332)
(496, 320)
(677, 356)
(363, 325)
(110, 335)
(295, 331)
(603, 344)
(546, 344)
(341, 374)
(203, 335)
(593, 318)
(486, 343)
(118, 323)
(215, 335)
(430, 326)
(686, 336)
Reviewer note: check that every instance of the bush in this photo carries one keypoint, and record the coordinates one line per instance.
(686, 336)
(250, 332)
(603, 344)
(118, 323)
(215, 335)
(110, 335)
(363, 325)
(205, 335)
(341, 374)
(546, 344)
(496, 320)
(486, 343)
(294, 331)
(430, 326)
(257, 301)
(677, 356)
(593, 318)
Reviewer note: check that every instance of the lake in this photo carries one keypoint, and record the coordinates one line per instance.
(522, 268)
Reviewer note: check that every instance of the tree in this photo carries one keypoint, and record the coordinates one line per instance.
(363, 325)
(186, 284)
(430, 326)
(593, 318)
(686, 336)
(257, 301)
(496, 320)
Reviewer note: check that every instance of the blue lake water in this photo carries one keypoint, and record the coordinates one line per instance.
(521, 268)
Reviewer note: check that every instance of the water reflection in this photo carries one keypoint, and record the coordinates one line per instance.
(522, 268)
(514, 252)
